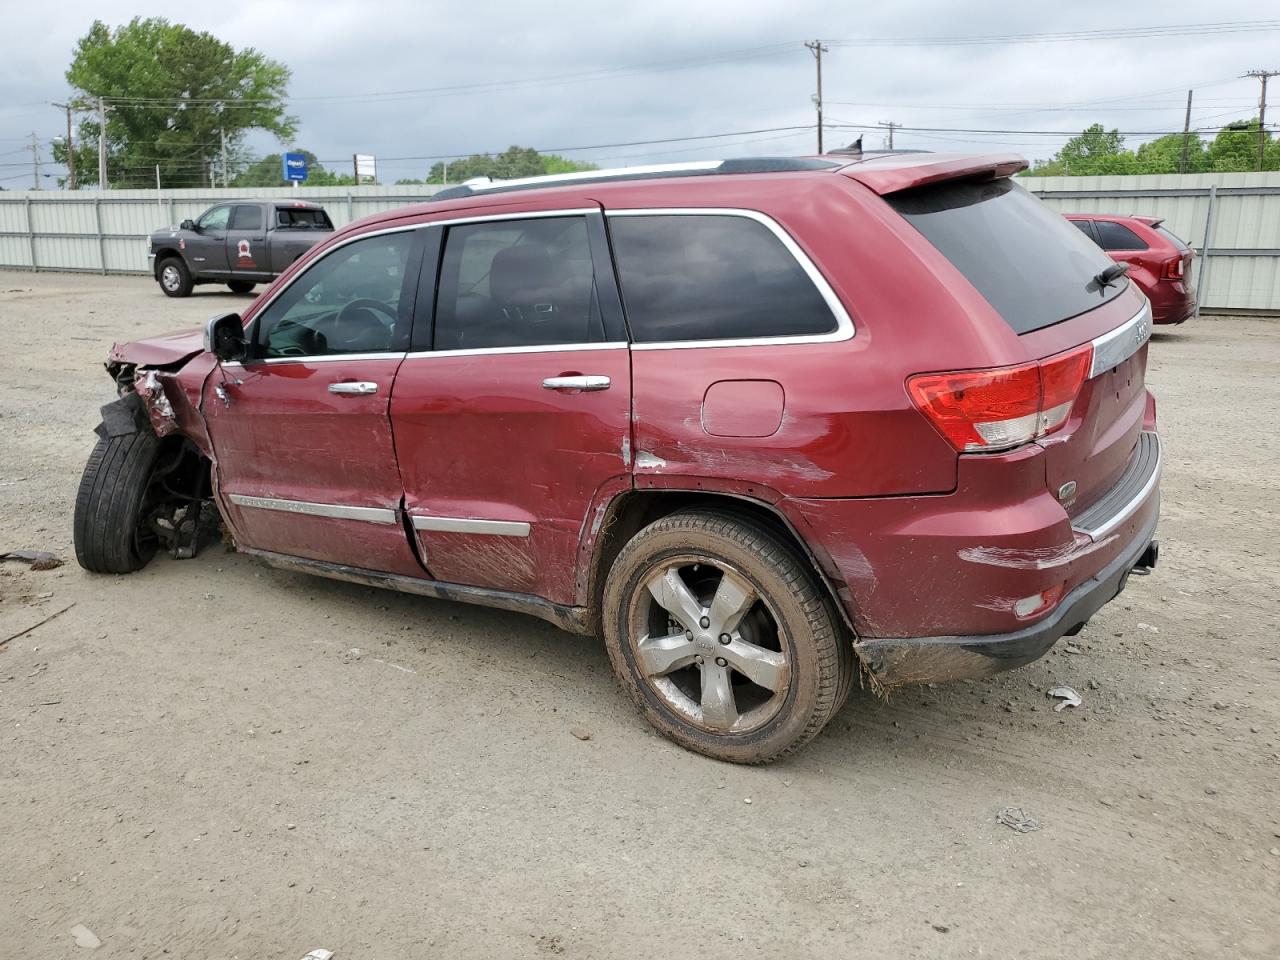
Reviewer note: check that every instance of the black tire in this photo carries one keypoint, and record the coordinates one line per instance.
(108, 523)
(174, 277)
(792, 615)
(240, 286)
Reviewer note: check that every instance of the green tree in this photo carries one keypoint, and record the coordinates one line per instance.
(511, 164)
(172, 94)
(1094, 151)
(1164, 155)
(267, 173)
(1235, 149)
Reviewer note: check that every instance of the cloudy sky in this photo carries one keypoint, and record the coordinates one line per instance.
(367, 76)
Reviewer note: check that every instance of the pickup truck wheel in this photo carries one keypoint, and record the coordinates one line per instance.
(111, 533)
(175, 278)
(240, 286)
(724, 639)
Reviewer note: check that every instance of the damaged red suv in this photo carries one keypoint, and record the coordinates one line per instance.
(759, 424)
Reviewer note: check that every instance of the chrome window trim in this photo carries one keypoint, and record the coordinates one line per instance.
(496, 528)
(323, 358)
(1129, 509)
(844, 323)
(540, 348)
(330, 511)
(1114, 348)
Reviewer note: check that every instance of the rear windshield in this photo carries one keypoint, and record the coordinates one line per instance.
(1173, 238)
(295, 218)
(1033, 266)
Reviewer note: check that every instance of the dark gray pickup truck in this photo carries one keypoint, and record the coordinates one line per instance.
(240, 243)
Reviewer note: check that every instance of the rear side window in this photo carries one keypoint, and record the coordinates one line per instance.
(1173, 238)
(517, 283)
(712, 277)
(292, 218)
(1116, 236)
(1028, 262)
(247, 217)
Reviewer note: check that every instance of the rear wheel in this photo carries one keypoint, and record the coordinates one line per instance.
(723, 638)
(112, 533)
(241, 286)
(175, 278)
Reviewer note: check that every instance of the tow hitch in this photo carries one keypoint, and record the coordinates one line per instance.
(1146, 563)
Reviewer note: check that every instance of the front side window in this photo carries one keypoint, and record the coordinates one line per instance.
(1116, 236)
(346, 302)
(712, 277)
(215, 219)
(247, 217)
(517, 283)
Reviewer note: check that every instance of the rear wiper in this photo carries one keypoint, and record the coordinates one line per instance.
(1110, 275)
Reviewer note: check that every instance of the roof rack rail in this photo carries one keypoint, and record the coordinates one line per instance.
(483, 185)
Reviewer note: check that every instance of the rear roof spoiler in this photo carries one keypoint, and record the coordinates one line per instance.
(890, 174)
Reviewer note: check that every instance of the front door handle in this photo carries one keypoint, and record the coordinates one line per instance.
(576, 383)
(353, 388)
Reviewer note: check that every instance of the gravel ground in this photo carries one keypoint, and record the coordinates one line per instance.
(212, 759)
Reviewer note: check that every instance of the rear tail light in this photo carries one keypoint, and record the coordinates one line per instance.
(1172, 269)
(987, 410)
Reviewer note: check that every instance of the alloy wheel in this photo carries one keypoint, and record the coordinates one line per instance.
(709, 646)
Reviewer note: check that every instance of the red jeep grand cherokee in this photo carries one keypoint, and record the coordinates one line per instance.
(1159, 262)
(756, 422)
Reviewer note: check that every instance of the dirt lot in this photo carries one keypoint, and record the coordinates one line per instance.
(197, 763)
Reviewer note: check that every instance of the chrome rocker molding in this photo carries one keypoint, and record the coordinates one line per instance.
(331, 511)
(1128, 495)
(572, 619)
(1114, 348)
(496, 528)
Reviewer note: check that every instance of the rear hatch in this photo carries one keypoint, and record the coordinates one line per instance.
(1081, 394)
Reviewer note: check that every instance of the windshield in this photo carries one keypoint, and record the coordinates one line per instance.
(1030, 264)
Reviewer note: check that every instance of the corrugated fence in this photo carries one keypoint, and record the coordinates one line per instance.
(1238, 213)
(107, 232)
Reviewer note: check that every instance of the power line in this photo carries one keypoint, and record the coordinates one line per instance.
(1070, 36)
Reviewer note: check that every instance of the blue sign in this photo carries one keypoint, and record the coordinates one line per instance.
(295, 166)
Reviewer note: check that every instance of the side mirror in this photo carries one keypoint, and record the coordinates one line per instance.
(224, 337)
(187, 225)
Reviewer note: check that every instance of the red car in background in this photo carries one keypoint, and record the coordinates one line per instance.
(1159, 262)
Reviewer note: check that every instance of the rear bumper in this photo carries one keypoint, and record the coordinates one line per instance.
(934, 586)
(896, 662)
(1172, 301)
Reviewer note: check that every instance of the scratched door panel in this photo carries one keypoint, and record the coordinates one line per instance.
(479, 437)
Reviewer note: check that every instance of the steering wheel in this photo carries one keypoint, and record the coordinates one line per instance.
(366, 303)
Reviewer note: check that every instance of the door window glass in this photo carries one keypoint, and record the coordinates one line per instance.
(346, 302)
(1083, 227)
(712, 277)
(247, 217)
(517, 283)
(1116, 236)
(215, 219)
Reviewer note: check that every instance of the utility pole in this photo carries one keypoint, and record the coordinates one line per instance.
(817, 49)
(223, 134)
(890, 124)
(1262, 110)
(102, 143)
(71, 153)
(1186, 135)
(34, 147)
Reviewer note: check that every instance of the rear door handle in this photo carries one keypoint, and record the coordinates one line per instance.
(586, 383)
(353, 388)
